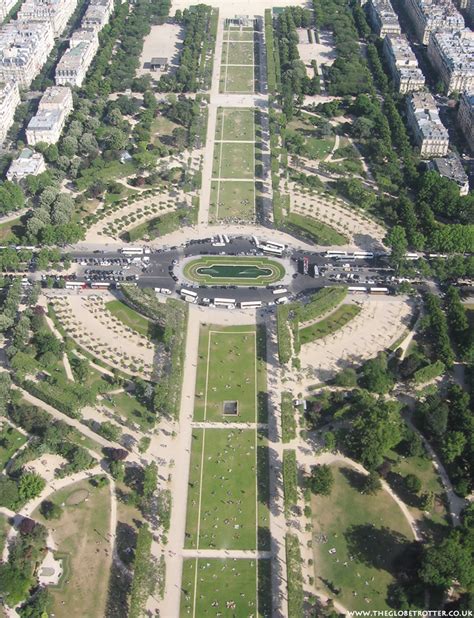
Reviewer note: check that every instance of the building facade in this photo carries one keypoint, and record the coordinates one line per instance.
(72, 68)
(97, 14)
(429, 16)
(452, 57)
(403, 64)
(9, 99)
(466, 117)
(57, 12)
(428, 131)
(382, 17)
(450, 167)
(48, 123)
(24, 48)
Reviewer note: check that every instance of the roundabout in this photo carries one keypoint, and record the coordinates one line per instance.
(242, 271)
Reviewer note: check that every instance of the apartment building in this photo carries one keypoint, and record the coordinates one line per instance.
(466, 117)
(429, 16)
(5, 7)
(54, 107)
(97, 14)
(72, 68)
(24, 48)
(9, 99)
(28, 163)
(57, 12)
(452, 56)
(450, 167)
(403, 64)
(382, 17)
(429, 133)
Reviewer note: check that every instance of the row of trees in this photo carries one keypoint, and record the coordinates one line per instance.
(293, 79)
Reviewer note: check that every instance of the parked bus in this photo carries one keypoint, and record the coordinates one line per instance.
(100, 285)
(335, 253)
(362, 255)
(412, 256)
(226, 239)
(379, 291)
(75, 285)
(277, 245)
(224, 302)
(271, 250)
(132, 250)
(282, 300)
(250, 304)
(280, 291)
(188, 293)
(255, 240)
(355, 289)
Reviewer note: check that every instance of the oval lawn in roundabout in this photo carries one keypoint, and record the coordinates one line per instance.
(230, 270)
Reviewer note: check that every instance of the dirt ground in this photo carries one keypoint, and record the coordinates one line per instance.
(164, 41)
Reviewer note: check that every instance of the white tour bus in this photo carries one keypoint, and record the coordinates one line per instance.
(282, 300)
(256, 241)
(379, 291)
(335, 253)
(132, 250)
(229, 303)
(188, 294)
(75, 285)
(272, 250)
(249, 304)
(280, 291)
(356, 289)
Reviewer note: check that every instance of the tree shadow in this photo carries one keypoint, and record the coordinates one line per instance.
(355, 479)
(374, 547)
(398, 484)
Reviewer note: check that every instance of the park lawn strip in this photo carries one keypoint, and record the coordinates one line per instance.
(227, 371)
(315, 231)
(226, 497)
(128, 407)
(323, 301)
(288, 419)
(4, 527)
(209, 580)
(330, 324)
(133, 319)
(231, 199)
(89, 569)
(290, 479)
(234, 160)
(369, 528)
(237, 52)
(237, 79)
(235, 124)
(294, 576)
(10, 441)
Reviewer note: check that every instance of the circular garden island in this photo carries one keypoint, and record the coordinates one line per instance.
(230, 270)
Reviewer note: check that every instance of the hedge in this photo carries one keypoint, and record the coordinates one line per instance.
(288, 420)
(290, 479)
(271, 69)
(294, 577)
(143, 579)
(425, 374)
(321, 302)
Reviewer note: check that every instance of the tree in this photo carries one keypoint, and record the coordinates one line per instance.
(321, 479)
(413, 483)
(5, 389)
(50, 510)
(117, 470)
(453, 445)
(14, 584)
(396, 239)
(30, 486)
(376, 376)
(371, 484)
(347, 378)
(38, 606)
(447, 562)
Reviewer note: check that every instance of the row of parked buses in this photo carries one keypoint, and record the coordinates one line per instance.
(359, 289)
(369, 255)
(269, 247)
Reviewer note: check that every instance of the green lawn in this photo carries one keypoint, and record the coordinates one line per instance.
(237, 79)
(127, 406)
(235, 124)
(232, 200)
(10, 441)
(228, 370)
(134, 320)
(237, 53)
(236, 35)
(85, 580)
(315, 231)
(234, 160)
(368, 534)
(110, 171)
(222, 496)
(329, 325)
(243, 271)
(11, 230)
(226, 587)
(319, 148)
(4, 526)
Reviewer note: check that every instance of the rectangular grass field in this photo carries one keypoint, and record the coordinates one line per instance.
(235, 124)
(223, 510)
(232, 199)
(229, 587)
(228, 370)
(234, 160)
(238, 53)
(237, 79)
